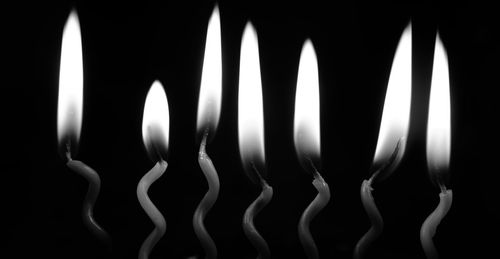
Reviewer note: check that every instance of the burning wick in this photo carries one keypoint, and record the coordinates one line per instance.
(438, 145)
(311, 211)
(207, 202)
(155, 130)
(307, 140)
(371, 208)
(69, 119)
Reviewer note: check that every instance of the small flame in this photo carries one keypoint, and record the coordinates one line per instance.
(155, 122)
(306, 121)
(250, 106)
(396, 114)
(211, 78)
(438, 124)
(70, 99)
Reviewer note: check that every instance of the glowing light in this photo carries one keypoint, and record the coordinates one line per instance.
(250, 106)
(438, 124)
(396, 114)
(70, 98)
(155, 121)
(306, 121)
(211, 78)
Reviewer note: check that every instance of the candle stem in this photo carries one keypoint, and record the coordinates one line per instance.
(207, 202)
(90, 199)
(311, 211)
(428, 229)
(375, 218)
(248, 225)
(150, 208)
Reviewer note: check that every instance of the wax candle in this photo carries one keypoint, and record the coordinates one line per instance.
(155, 130)
(251, 135)
(392, 137)
(307, 141)
(208, 118)
(438, 145)
(69, 119)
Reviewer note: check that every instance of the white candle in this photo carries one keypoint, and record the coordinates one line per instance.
(438, 145)
(69, 119)
(155, 130)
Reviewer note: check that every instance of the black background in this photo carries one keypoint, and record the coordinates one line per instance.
(127, 45)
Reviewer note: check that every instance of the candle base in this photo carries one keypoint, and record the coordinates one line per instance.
(150, 208)
(311, 211)
(430, 225)
(90, 199)
(248, 226)
(207, 202)
(375, 218)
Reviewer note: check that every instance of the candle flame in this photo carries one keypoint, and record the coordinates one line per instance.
(155, 122)
(307, 118)
(211, 78)
(70, 98)
(438, 124)
(250, 106)
(396, 114)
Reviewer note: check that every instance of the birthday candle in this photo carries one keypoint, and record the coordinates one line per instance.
(438, 146)
(69, 119)
(251, 134)
(392, 137)
(155, 130)
(307, 141)
(208, 119)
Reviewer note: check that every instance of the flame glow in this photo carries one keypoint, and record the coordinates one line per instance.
(70, 99)
(250, 106)
(155, 122)
(438, 124)
(211, 78)
(306, 122)
(396, 114)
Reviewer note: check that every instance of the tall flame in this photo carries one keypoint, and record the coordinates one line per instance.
(70, 99)
(250, 106)
(306, 122)
(396, 114)
(211, 78)
(155, 122)
(438, 124)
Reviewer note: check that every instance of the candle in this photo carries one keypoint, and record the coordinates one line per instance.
(438, 145)
(208, 118)
(307, 140)
(155, 129)
(251, 134)
(392, 137)
(69, 119)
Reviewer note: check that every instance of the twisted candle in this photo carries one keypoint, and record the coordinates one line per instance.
(150, 208)
(248, 226)
(369, 204)
(311, 211)
(375, 218)
(90, 199)
(207, 202)
(431, 223)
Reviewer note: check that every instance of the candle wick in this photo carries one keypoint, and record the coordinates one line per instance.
(389, 163)
(68, 151)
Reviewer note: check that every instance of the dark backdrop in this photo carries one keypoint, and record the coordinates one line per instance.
(128, 45)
